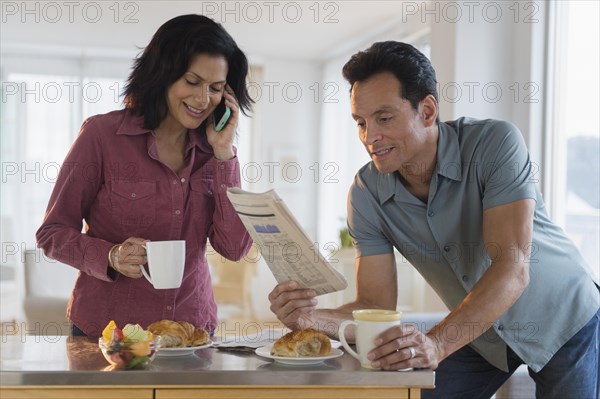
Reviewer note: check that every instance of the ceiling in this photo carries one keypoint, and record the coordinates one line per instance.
(281, 29)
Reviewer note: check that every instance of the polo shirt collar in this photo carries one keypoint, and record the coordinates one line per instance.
(449, 165)
(449, 162)
(386, 185)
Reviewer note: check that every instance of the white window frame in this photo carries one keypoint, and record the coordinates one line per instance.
(555, 141)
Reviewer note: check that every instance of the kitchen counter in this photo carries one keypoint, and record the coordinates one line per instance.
(63, 367)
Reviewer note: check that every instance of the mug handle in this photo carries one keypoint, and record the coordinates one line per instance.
(146, 274)
(342, 336)
(144, 269)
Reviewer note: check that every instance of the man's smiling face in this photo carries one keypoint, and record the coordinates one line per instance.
(388, 126)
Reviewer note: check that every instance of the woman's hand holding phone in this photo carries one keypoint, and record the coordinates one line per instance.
(221, 116)
(220, 129)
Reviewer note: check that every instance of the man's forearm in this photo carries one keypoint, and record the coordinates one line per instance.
(374, 291)
(497, 290)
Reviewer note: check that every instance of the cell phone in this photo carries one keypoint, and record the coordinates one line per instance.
(221, 115)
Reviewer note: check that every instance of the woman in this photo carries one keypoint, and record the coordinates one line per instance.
(156, 170)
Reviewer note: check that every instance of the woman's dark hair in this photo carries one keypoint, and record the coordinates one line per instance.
(168, 56)
(409, 66)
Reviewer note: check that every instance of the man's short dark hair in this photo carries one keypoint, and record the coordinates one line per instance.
(409, 66)
(169, 55)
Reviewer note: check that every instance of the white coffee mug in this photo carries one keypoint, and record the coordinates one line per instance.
(166, 261)
(369, 324)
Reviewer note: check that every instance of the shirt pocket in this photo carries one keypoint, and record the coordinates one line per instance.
(203, 203)
(133, 205)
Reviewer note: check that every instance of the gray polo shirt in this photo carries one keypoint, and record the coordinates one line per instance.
(480, 164)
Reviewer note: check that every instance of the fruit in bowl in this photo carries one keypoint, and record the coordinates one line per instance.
(129, 348)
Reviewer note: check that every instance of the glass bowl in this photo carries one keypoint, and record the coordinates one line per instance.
(129, 355)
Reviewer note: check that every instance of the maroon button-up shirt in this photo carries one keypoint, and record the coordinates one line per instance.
(113, 179)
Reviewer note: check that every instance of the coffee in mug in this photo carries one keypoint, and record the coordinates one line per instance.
(369, 324)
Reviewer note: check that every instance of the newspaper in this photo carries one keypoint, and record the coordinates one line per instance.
(287, 249)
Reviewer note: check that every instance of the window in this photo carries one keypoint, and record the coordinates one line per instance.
(44, 102)
(574, 150)
(36, 136)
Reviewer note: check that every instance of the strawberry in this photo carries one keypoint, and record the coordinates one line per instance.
(117, 334)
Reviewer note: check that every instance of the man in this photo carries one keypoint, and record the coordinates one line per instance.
(458, 200)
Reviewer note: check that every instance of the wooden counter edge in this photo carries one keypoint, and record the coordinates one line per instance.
(223, 392)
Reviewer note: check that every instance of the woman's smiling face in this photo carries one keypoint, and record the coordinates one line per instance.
(194, 96)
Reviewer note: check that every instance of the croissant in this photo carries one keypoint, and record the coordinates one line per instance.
(200, 337)
(188, 327)
(180, 334)
(302, 343)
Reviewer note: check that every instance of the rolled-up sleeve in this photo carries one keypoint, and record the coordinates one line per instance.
(227, 234)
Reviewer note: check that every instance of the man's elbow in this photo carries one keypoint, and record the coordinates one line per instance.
(522, 277)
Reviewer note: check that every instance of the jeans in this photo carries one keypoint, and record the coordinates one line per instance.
(572, 372)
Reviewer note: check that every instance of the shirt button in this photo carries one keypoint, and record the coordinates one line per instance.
(501, 327)
(223, 186)
(447, 248)
(174, 181)
(465, 278)
(169, 307)
(431, 213)
(133, 195)
(177, 212)
(183, 179)
(210, 192)
(221, 167)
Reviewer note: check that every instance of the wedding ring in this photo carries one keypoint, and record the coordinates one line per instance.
(413, 352)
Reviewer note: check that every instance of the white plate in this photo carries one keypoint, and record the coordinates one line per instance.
(181, 351)
(265, 351)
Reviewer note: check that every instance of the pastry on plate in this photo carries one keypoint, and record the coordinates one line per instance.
(302, 343)
(179, 334)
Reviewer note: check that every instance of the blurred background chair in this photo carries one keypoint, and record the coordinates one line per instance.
(48, 286)
(232, 283)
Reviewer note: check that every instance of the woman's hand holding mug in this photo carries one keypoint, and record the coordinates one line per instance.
(127, 258)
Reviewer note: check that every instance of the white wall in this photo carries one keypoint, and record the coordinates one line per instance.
(285, 148)
(286, 137)
(490, 64)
